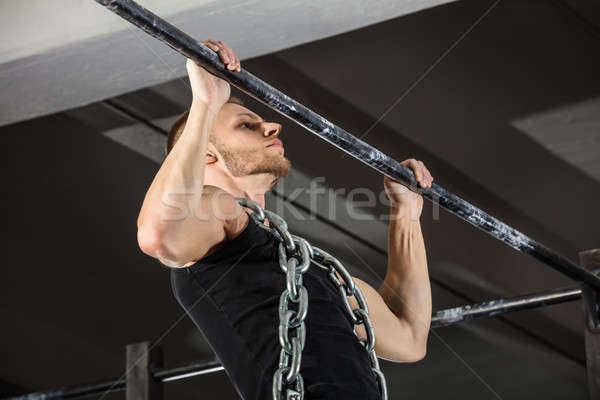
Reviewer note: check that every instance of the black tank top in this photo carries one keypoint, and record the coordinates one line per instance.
(233, 295)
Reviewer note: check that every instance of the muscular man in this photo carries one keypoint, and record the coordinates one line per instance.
(225, 271)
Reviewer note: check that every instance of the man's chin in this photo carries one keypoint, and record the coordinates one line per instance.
(286, 167)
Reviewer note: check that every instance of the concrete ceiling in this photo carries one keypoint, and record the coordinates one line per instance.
(572, 133)
(63, 55)
(480, 119)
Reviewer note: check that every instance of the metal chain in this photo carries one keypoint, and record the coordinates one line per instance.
(295, 255)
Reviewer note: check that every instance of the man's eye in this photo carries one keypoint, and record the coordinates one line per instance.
(244, 125)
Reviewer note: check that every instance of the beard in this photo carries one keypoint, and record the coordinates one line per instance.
(244, 162)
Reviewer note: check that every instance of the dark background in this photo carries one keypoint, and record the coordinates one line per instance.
(76, 289)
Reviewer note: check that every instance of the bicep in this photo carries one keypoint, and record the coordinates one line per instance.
(393, 336)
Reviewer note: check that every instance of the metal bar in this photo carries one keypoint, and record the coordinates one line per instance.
(590, 259)
(118, 384)
(493, 308)
(76, 391)
(280, 102)
(440, 318)
(188, 371)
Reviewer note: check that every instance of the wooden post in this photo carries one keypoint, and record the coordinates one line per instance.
(590, 260)
(142, 360)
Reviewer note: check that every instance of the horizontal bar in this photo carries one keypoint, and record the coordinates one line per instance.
(76, 391)
(440, 318)
(118, 384)
(280, 102)
(493, 308)
(187, 371)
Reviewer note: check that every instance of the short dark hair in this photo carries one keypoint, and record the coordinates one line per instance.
(179, 125)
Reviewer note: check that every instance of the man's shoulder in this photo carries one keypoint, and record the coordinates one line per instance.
(221, 219)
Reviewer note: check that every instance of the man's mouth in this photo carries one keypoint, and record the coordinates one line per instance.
(276, 143)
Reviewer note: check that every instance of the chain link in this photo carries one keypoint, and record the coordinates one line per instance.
(295, 255)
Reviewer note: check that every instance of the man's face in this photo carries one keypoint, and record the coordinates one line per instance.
(247, 144)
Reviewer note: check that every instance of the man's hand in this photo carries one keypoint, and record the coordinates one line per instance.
(408, 203)
(207, 88)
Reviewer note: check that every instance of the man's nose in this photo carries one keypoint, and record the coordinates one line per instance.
(271, 129)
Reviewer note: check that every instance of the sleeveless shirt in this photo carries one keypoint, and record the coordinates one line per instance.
(232, 296)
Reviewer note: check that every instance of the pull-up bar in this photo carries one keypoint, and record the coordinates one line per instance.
(280, 102)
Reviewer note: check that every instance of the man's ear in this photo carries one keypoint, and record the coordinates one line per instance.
(211, 158)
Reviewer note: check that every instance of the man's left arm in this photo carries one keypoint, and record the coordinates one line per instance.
(401, 310)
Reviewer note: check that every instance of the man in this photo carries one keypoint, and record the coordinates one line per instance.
(225, 271)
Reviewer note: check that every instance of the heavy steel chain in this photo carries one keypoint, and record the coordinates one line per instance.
(295, 255)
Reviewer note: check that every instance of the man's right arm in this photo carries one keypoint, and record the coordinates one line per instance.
(177, 221)
(173, 208)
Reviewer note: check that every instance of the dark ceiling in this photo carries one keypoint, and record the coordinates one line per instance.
(76, 289)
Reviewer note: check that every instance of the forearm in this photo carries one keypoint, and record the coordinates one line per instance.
(406, 289)
(180, 179)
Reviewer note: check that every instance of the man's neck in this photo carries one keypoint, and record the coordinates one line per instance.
(251, 187)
